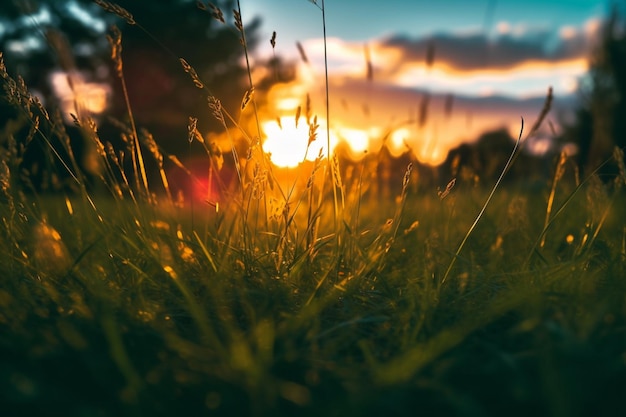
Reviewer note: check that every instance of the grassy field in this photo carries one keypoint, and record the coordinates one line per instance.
(321, 300)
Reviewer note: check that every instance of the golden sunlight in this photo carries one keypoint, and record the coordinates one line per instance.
(398, 141)
(288, 144)
(364, 115)
(357, 140)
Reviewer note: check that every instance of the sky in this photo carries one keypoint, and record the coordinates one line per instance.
(426, 74)
(495, 58)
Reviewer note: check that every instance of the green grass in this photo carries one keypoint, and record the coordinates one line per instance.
(306, 301)
(147, 319)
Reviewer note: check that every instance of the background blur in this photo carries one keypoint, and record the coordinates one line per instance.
(417, 80)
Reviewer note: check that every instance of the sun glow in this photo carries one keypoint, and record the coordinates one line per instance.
(288, 137)
(398, 141)
(288, 143)
(357, 140)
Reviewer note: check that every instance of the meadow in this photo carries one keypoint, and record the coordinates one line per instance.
(311, 297)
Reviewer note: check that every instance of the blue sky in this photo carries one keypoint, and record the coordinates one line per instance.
(361, 20)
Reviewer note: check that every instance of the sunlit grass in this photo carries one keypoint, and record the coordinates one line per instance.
(282, 297)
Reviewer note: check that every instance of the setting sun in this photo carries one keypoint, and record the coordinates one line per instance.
(288, 144)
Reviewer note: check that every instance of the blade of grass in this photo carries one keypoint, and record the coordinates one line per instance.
(484, 207)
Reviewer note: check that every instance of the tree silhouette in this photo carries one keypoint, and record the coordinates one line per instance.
(600, 120)
(46, 36)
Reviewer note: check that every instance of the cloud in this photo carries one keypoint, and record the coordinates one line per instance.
(518, 60)
(511, 47)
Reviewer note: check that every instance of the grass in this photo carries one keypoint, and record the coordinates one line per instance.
(303, 301)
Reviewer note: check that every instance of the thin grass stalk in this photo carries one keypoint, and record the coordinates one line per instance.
(327, 100)
(359, 198)
(326, 86)
(219, 113)
(119, 165)
(115, 40)
(153, 149)
(482, 210)
(560, 167)
(596, 232)
(313, 209)
(73, 175)
(244, 43)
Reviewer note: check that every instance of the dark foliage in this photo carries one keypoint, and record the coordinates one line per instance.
(600, 122)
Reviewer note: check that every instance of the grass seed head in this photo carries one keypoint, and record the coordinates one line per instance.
(305, 59)
(191, 129)
(547, 105)
(313, 130)
(152, 146)
(273, 40)
(238, 21)
(216, 107)
(443, 194)
(298, 114)
(247, 97)
(115, 41)
(407, 176)
(217, 13)
(116, 10)
(192, 73)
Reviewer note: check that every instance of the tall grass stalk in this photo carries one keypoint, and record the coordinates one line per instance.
(558, 174)
(115, 40)
(484, 207)
(333, 174)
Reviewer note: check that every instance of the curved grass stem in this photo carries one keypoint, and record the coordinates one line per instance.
(482, 210)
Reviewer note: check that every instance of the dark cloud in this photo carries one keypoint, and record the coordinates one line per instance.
(478, 52)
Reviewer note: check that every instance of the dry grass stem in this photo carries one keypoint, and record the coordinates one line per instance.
(547, 105)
